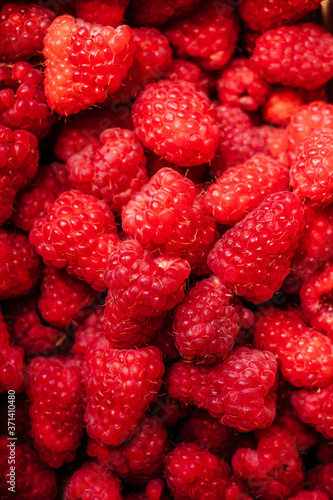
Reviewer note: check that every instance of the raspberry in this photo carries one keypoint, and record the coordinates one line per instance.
(19, 265)
(189, 72)
(113, 171)
(56, 409)
(84, 63)
(240, 84)
(89, 332)
(78, 232)
(33, 479)
(138, 460)
(315, 407)
(192, 472)
(311, 172)
(153, 491)
(298, 56)
(22, 99)
(274, 470)
(321, 477)
(90, 11)
(254, 266)
(275, 140)
(206, 322)
(155, 13)
(22, 30)
(63, 297)
(93, 481)
(209, 34)
(141, 289)
(310, 495)
(18, 165)
(240, 189)
(11, 362)
(175, 121)
(167, 217)
(33, 202)
(304, 435)
(119, 385)
(268, 14)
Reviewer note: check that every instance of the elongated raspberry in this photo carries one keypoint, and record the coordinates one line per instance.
(78, 233)
(32, 202)
(321, 477)
(22, 30)
(266, 14)
(207, 35)
(240, 84)
(33, 479)
(315, 407)
(192, 472)
(84, 63)
(18, 165)
(90, 11)
(175, 121)
(155, 13)
(274, 470)
(304, 434)
(298, 56)
(140, 459)
(56, 410)
(113, 171)
(206, 322)
(240, 189)
(89, 332)
(93, 481)
(19, 265)
(141, 289)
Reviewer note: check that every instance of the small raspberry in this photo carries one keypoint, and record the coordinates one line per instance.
(89, 332)
(138, 460)
(156, 13)
(304, 435)
(240, 84)
(120, 384)
(141, 289)
(19, 265)
(78, 233)
(209, 34)
(189, 72)
(105, 12)
(175, 121)
(153, 491)
(257, 264)
(240, 189)
(192, 472)
(298, 56)
(93, 481)
(321, 477)
(56, 409)
(22, 30)
(113, 170)
(84, 63)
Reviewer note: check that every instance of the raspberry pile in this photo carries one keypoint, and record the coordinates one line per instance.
(166, 250)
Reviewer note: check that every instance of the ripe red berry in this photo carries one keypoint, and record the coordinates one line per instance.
(93, 481)
(89, 332)
(90, 11)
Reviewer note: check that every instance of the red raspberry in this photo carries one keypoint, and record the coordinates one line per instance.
(189, 72)
(240, 189)
(105, 12)
(311, 172)
(138, 460)
(63, 297)
(19, 265)
(89, 332)
(22, 99)
(267, 14)
(18, 165)
(33, 479)
(141, 289)
(206, 322)
(304, 435)
(84, 63)
(315, 407)
(310, 495)
(275, 140)
(192, 472)
(33, 202)
(22, 30)
(209, 34)
(153, 491)
(321, 477)
(298, 56)
(11, 362)
(78, 232)
(93, 481)
(155, 13)
(120, 384)
(113, 170)
(167, 217)
(240, 84)
(175, 121)
(56, 409)
(254, 266)
(274, 470)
